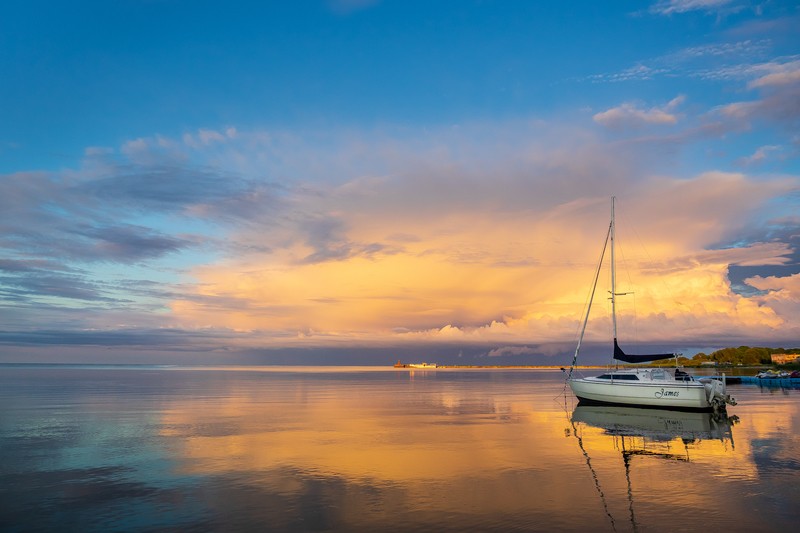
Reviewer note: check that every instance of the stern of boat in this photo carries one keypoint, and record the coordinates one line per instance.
(717, 394)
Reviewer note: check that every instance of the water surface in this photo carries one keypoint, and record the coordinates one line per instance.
(364, 449)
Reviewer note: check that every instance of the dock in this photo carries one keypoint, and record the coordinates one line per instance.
(766, 382)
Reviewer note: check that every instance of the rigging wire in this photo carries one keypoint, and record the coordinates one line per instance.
(589, 306)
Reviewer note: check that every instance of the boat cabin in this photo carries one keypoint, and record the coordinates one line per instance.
(648, 374)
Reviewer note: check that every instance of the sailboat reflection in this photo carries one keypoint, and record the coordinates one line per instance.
(648, 432)
(657, 425)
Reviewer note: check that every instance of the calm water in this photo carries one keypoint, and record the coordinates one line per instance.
(326, 449)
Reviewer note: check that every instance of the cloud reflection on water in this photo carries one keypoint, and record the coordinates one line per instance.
(346, 450)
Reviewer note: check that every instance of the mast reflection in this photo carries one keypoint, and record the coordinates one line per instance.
(637, 432)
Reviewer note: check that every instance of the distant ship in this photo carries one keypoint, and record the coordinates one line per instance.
(398, 364)
(423, 365)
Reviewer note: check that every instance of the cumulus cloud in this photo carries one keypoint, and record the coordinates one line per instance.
(630, 115)
(454, 280)
(383, 239)
(782, 294)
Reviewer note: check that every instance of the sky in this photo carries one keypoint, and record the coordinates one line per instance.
(361, 181)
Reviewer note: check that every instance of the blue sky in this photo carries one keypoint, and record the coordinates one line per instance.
(263, 181)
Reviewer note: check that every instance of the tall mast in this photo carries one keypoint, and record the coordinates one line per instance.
(613, 273)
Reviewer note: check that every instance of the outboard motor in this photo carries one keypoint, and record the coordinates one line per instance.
(716, 393)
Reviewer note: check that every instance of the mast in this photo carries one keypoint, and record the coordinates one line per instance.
(613, 273)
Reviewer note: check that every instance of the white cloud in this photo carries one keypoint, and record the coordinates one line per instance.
(783, 295)
(780, 74)
(735, 49)
(530, 246)
(207, 137)
(671, 7)
(778, 85)
(134, 147)
(485, 234)
(637, 72)
(760, 155)
(740, 110)
(629, 115)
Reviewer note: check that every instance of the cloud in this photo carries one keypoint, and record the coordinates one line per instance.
(127, 243)
(173, 339)
(21, 281)
(780, 74)
(637, 72)
(487, 268)
(760, 155)
(506, 351)
(162, 187)
(65, 234)
(733, 60)
(778, 100)
(207, 137)
(82, 220)
(382, 239)
(781, 294)
(671, 7)
(720, 50)
(629, 115)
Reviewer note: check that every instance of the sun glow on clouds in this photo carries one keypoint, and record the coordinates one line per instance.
(348, 205)
(427, 254)
(486, 235)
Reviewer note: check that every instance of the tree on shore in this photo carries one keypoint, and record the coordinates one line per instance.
(743, 355)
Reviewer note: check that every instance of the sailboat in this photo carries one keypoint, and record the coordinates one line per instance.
(663, 388)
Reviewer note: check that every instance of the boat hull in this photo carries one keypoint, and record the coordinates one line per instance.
(690, 395)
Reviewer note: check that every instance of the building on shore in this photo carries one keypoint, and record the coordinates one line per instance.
(783, 358)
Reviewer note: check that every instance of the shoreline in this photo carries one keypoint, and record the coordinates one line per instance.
(501, 367)
(560, 367)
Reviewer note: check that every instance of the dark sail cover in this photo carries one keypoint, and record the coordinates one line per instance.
(632, 358)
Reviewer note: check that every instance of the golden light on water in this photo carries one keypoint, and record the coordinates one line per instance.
(376, 437)
(365, 448)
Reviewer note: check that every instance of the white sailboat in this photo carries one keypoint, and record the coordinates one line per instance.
(642, 387)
